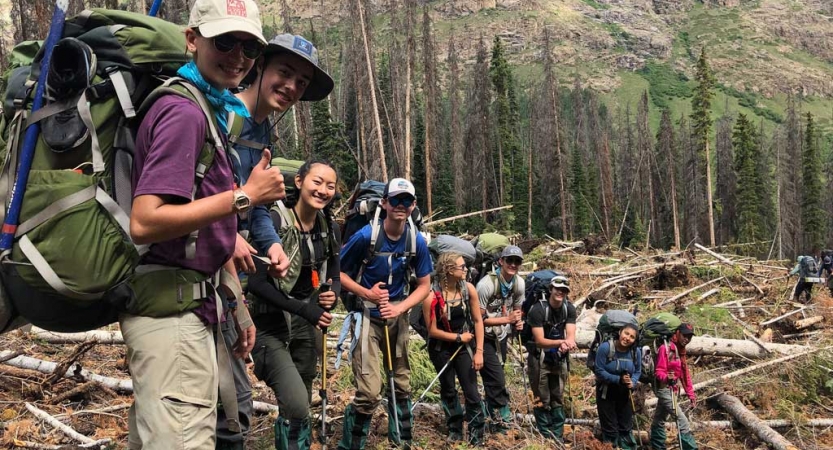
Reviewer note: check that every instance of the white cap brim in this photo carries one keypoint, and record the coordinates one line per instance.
(231, 24)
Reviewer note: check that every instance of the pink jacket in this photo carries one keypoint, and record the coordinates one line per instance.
(670, 362)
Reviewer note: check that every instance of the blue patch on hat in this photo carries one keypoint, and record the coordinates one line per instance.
(302, 45)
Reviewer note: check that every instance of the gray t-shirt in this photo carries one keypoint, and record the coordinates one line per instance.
(492, 301)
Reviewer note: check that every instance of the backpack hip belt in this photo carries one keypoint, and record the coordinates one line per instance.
(161, 291)
(402, 338)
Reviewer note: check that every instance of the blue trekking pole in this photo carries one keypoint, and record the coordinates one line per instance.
(154, 8)
(56, 29)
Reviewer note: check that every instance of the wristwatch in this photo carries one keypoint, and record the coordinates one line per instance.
(459, 338)
(242, 203)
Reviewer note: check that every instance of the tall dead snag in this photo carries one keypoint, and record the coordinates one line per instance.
(734, 407)
(360, 7)
(409, 62)
(457, 151)
(431, 98)
(551, 89)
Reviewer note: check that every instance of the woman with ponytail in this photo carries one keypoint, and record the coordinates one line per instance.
(288, 311)
(671, 373)
(454, 322)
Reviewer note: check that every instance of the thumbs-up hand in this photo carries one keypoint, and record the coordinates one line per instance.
(265, 184)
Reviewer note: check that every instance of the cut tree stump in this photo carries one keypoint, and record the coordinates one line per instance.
(743, 415)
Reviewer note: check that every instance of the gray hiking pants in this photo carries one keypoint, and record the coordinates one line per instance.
(665, 407)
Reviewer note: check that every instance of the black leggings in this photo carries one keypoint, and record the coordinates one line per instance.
(615, 410)
(460, 366)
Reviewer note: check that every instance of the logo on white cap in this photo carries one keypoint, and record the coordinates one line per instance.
(236, 8)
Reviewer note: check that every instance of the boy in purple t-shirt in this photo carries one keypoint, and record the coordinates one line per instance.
(172, 358)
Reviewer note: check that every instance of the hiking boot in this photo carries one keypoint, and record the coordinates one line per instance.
(658, 437)
(292, 434)
(687, 440)
(476, 419)
(455, 436)
(543, 422)
(626, 442)
(453, 416)
(355, 429)
(557, 422)
(228, 445)
(501, 418)
(70, 72)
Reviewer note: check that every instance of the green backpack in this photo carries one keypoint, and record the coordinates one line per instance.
(655, 332)
(73, 266)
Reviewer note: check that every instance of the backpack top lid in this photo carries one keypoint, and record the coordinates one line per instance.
(613, 320)
(492, 243)
(663, 325)
(445, 243)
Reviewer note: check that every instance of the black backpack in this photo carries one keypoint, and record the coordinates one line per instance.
(363, 207)
(537, 290)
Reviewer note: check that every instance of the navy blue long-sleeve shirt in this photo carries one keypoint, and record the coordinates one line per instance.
(610, 371)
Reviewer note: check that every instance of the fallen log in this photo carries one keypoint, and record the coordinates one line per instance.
(461, 216)
(783, 316)
(58, 425)
(605, 286)
(74, 371)
(121, 385)
(689, 291)
(743, 415)
(719, 257)
(97, 336)
(808, 322)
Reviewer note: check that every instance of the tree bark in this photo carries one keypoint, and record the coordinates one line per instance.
(743, 415)
(372, 89)
(709, 195)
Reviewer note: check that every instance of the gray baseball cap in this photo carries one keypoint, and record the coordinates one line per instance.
(512, 250)
(321, 84)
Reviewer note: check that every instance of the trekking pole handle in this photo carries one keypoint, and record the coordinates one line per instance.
(56, 29)
(154, 8)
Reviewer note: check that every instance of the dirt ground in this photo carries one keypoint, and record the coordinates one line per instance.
(799, 390)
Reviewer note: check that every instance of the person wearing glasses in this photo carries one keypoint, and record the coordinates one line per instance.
(553, 325)
(286, 73)
(456, 345)
(191, 222)
(382, 286)
(501, 294)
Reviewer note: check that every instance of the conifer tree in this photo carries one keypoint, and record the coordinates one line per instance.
(702, 127)
(812, 216)
(505, 114)
(748, 200)
(582, 222)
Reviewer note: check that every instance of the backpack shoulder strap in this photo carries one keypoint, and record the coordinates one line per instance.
(213, 140)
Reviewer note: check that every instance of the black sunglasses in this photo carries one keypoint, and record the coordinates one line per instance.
(224, 43)
(404, 201)
(514, 260)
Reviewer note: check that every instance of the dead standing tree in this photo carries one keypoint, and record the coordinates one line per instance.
(370, 86)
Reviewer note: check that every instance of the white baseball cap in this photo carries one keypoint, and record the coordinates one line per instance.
(216, 17)
(399, 186)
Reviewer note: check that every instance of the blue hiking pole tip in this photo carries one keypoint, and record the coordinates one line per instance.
(27, 152)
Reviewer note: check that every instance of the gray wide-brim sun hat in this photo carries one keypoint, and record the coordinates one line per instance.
(321, 84)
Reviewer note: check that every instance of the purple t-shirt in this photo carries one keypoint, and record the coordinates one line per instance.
(167, 147)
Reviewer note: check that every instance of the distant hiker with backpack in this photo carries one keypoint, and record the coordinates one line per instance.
(501, 294)
(190, 218)
(553, 325)
(287, 72)
(285, 352)
(616, 378)
(806, 266)
(380, 260)
(455, 328)
(671, 373)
